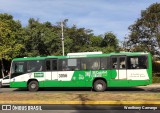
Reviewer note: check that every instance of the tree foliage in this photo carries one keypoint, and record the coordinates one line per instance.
(109, 40)
(145, 32)
(43, 39)
(10, 37)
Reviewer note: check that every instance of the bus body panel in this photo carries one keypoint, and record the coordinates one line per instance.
(128, 83)
(84, 78)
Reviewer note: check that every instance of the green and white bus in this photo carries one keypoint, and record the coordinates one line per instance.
(86, 69)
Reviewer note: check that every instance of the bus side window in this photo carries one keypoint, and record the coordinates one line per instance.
(34, 66)
(95, 64)
(122, 64)
(143, 62)
(104, 63)
(83, 64)
(48, 65)
(90, 63)
(78, 65)
(62, 65)
(114, 63)
(74, 64)
(54, 65)
(133, 63)
(137, 62)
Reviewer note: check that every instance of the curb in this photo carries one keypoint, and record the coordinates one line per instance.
(85, 102)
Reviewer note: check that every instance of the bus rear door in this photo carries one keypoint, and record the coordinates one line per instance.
(118, 63)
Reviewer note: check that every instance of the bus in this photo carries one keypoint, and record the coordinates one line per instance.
(86, 69)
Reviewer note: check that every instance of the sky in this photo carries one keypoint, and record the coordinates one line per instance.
(99, 15)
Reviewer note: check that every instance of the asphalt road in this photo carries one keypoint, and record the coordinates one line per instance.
(81, 90)
(102, 109)
(155, 88)
(84, 111)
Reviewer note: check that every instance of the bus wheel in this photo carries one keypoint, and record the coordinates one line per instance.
(33, 86)
(99, 86)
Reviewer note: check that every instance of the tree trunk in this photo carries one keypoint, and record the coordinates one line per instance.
(2, 69)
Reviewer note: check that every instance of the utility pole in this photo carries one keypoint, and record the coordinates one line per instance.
(126, 43)
(62, 39)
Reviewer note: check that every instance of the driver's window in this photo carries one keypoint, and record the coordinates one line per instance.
(19, 67)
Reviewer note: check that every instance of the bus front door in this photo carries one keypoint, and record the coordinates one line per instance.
(51, 75)
(54, 70)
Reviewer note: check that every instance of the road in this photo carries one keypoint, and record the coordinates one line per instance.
(155, 88)
(55, 90)
(151, 89)
(83, 111)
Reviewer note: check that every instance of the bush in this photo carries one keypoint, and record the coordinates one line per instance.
(156, 67)
(155, 79)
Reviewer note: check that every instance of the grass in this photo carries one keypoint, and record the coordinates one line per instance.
(41, 97)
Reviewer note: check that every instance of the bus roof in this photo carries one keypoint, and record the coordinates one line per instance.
(81, 55)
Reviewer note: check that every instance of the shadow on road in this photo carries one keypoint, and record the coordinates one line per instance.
(155, 90)
(5, 87)
(124, 89)
(56, 89)
(130, 89)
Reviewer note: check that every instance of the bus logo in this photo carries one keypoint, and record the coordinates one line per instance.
(38, 74)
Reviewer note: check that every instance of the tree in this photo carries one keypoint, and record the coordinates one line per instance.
(10, 34)
(110, 40)
(41, 39)
(96, 41)
(10, 37)
(80, 38)
(145, 32)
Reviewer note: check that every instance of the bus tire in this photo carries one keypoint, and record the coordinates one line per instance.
(33, 86)
(99, 85)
